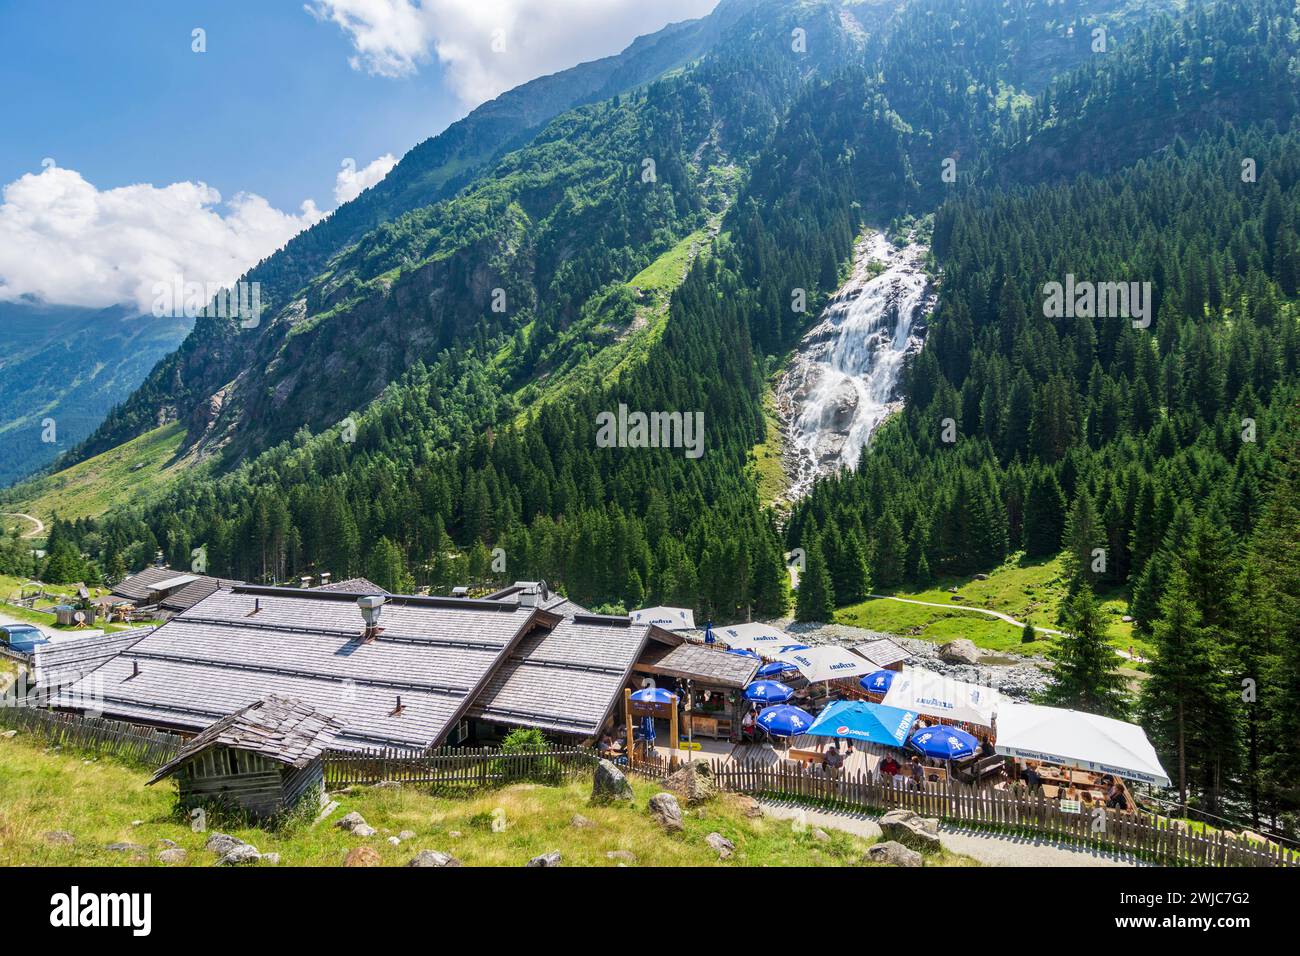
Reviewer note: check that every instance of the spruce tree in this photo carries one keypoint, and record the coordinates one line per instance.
(815, 599)
(1084, 675)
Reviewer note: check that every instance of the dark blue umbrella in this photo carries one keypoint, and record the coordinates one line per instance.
(647, 728)
(771, 691)
(736, 650)
(784, 720)
(775, 668)
(788, 648)
(708, 633)
(877, 682)
(947, 743)
(654, 695)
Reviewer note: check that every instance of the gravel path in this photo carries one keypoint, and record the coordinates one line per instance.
(988, 848)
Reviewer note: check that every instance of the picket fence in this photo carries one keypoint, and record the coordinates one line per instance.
(454, 768)
(963, 804)
(131, 743)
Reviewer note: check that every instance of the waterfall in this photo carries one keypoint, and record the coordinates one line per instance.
(843, 380)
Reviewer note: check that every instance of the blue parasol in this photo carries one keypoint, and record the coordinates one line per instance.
(947, 743)
(784, 720)
(776, 668)
(654, 695)
(877, 682)
(736, 650)
(647, 728)
(771, 691)
(864, 721)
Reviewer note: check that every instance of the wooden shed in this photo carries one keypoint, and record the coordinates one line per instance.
(263, 759)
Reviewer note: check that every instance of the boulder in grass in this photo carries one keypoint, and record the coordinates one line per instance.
(911, 829)
(546, 859)
(666, 810)
(609, 784)
(356, 824)
(361, 856)
(58, 838)
(623, 856)
(893, 854)
(222, 843)
(433, 858)
(244, 853)
(125, 848)
(721, 844)
(693, 782)
(172, 855)
(579, 822)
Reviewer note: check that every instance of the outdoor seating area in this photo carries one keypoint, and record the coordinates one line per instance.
(828, 711)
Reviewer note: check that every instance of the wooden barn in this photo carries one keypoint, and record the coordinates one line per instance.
(263, 759)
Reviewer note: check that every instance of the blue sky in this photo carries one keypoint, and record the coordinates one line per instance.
(128, 158)
(113, 90)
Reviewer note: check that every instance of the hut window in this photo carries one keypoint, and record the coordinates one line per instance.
(234, 763)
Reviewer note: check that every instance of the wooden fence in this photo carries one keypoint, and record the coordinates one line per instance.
(144, 746)
(454, 768)
(966, 805)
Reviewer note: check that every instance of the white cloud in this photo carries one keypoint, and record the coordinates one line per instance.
(64, 241)
(489, 46)
(351, 182)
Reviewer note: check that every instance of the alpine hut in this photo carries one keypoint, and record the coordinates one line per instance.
(263, 759)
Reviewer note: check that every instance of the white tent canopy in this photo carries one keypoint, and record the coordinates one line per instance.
(827, 662)
(935, 695)
(1077, 739)
(669, 618)
(762, 638)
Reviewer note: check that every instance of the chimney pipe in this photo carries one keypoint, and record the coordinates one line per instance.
(324, 578)
(371, 605)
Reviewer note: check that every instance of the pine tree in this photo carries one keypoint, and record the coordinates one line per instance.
(1083, 673)
(815, 598)
(1187, 702)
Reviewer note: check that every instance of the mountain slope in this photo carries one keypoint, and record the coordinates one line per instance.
(428, 173)
(70, 366)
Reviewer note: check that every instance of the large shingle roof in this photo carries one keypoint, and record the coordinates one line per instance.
(279, 728)
(64, 662)
(241, 645)
(194, 592)
(567, 679)
(705, 664)
(139, 586)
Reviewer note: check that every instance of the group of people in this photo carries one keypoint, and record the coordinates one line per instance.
(1030, 784)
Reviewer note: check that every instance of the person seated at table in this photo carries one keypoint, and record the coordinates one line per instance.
(1085, 797)
(986, 747)
(833, 761)
(890, 767)
(1032, 779)
(1115, 796)
(1070, 793)
(606, 745)
(748, 726)
(918, 773)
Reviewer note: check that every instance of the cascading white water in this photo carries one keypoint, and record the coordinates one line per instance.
(843, 382)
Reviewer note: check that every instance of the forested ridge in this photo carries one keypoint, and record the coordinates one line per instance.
(1169, 448)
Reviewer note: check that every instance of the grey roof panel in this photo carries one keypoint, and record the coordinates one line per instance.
(238, 646)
